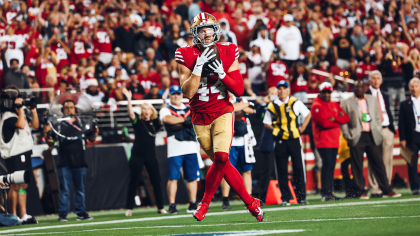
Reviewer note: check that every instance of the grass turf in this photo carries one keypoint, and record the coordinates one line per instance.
(386, 216)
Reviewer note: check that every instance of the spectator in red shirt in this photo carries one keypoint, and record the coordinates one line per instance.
(102, 40)
(207, 6)
(45, 63)
(299, 81)
(313, 84)
(61, 49)
(23, 28)
(222, 14)
(327, 117)
(146, 77)
(79, 45)
(364, 68)
(241, 30)
(276, 70)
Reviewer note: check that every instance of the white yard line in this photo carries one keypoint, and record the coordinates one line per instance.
(212, 214)
(213, 225)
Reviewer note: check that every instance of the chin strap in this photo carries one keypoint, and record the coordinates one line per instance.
(208, 45)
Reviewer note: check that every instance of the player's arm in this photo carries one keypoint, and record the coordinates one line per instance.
(232, 79)
(172, 120)
(243, 107)
(190, 81)
(130, 110)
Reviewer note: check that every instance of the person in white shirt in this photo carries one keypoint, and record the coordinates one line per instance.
(409, 131)
(93, 94)
(183, 148)
(265, 44)
(14, 43)
(115, 64)
(388, 131)
(289, 39)
(255, 73)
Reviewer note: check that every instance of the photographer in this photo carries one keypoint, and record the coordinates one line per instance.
(16, 148)
(72, 162)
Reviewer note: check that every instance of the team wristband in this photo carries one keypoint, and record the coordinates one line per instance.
(197, 71)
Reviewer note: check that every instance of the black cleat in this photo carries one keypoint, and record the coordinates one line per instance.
(172, 209)
(192, 207)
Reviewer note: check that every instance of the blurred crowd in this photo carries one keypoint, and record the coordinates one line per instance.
(100, 46)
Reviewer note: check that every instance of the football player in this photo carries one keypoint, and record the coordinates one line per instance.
(208, 70)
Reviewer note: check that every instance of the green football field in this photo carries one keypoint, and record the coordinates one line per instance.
(385, 216)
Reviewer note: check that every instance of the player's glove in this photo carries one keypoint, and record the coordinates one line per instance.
(201, 60)
(218, 69)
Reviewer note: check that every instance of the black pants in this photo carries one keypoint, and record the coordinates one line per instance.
(136, 164)
(267, 172)
(351, 189)
(329, 157)
(413, 174)
(374, 155)
(284, 149)
(289, 63)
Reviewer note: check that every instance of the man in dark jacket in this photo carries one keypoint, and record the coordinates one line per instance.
(12, 75)
(266, 146)
(388, 131)
(327, 117)
(409, 130)
(125, 38)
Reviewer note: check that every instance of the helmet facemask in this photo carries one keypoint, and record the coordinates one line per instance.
(197, 39)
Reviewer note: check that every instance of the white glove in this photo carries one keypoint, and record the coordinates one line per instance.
(203, 58)
(218, 69)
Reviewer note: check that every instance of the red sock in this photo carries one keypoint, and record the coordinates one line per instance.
(215, 175)
(234, 179)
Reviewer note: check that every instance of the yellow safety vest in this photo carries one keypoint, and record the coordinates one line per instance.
(285, 126)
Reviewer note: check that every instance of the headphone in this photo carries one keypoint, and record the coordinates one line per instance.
(69, 100)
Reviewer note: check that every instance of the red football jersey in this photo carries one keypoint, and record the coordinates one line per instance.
(25, 32)
(277, 71)
(363, 70)
(78, 51)
(102, 43)
(211, 99)
(147, 81)
(61, 55)
(299, 85)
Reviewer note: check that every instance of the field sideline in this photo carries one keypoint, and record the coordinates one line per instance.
(386, 216)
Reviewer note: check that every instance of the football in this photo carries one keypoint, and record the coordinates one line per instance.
(206, 68)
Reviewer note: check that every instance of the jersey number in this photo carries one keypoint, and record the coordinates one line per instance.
(61, 54)
(12, 45)
(204, 91)
(79, 47)
(278, 69)
(103, 37)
